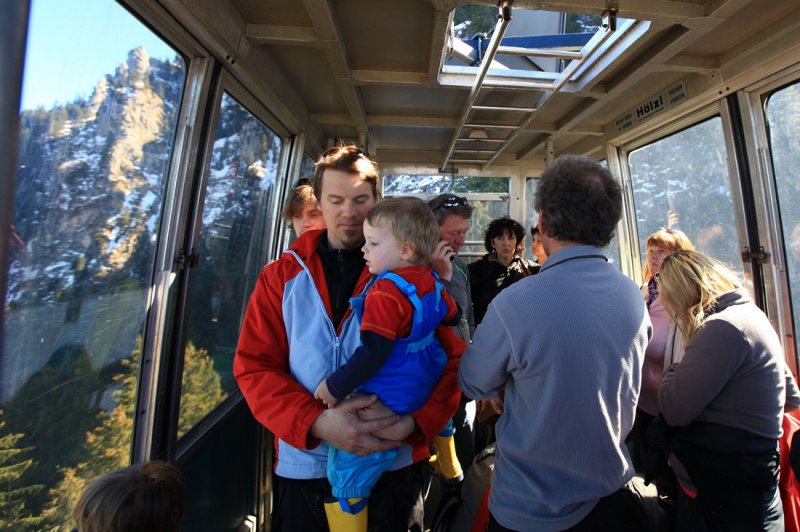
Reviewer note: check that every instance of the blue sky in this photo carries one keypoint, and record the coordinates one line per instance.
(72, 44)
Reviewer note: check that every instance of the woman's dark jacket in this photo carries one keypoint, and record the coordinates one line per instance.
(487, 278)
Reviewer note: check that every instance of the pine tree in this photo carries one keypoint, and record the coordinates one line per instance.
(200, 388)
(55, 418)
(107, 447)
(13, 493)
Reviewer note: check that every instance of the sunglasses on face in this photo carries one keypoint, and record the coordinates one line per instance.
(352, 151)
(450, 201)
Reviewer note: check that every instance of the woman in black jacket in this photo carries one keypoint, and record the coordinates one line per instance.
(502, 266)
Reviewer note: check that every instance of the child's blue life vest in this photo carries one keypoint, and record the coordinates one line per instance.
(417, 361)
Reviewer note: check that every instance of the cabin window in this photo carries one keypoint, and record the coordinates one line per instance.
(682, 182)
(100, 102)
(236, 229)
(532, 218)
(489, 197)
(307, 166)
(783, 117)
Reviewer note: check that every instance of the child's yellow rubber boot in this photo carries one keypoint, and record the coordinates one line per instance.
(446, 462)
(347, 515)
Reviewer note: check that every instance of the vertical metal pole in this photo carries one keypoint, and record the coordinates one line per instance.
(13, 32)
(549, 150)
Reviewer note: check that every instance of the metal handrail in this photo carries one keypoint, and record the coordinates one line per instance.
(504, 17)
(565, 76)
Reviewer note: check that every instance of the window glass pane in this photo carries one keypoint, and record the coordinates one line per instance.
(236, 217)
(529, 28)
(307, 166)
(485, 210)
(783, 117)
(101, 97)
(682, 182)
(612, 251)
(433, 185)
(532, 218)
(487, 195)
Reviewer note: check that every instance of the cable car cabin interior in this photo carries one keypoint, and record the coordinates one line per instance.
(139, 203)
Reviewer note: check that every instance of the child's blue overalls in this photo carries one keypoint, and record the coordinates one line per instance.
(403, 384)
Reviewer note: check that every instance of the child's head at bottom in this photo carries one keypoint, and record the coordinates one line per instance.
(410, 222)
(148, 496)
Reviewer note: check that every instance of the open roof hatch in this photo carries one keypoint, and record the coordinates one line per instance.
(543, 52)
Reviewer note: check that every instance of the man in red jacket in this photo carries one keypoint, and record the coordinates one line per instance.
(297, 330)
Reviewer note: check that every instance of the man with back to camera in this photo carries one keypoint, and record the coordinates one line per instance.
(571, 381)
(452, 214)
(298, 329)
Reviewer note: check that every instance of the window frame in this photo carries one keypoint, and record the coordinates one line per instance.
(225, 83)
(467, 254)
(618, 159)
(752, 103)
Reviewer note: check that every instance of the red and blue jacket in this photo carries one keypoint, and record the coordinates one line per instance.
(290, 306)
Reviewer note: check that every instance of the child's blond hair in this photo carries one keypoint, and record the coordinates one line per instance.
(689, 285)
(410, 221)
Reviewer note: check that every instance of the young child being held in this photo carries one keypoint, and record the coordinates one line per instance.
(400, 358)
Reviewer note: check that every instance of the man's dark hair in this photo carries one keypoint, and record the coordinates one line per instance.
(579, 200)
(503, 226)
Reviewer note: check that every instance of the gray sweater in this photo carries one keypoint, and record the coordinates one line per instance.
(459, 290)
(733, 373)
(568, 346)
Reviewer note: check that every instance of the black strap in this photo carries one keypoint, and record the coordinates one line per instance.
(553, 265)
